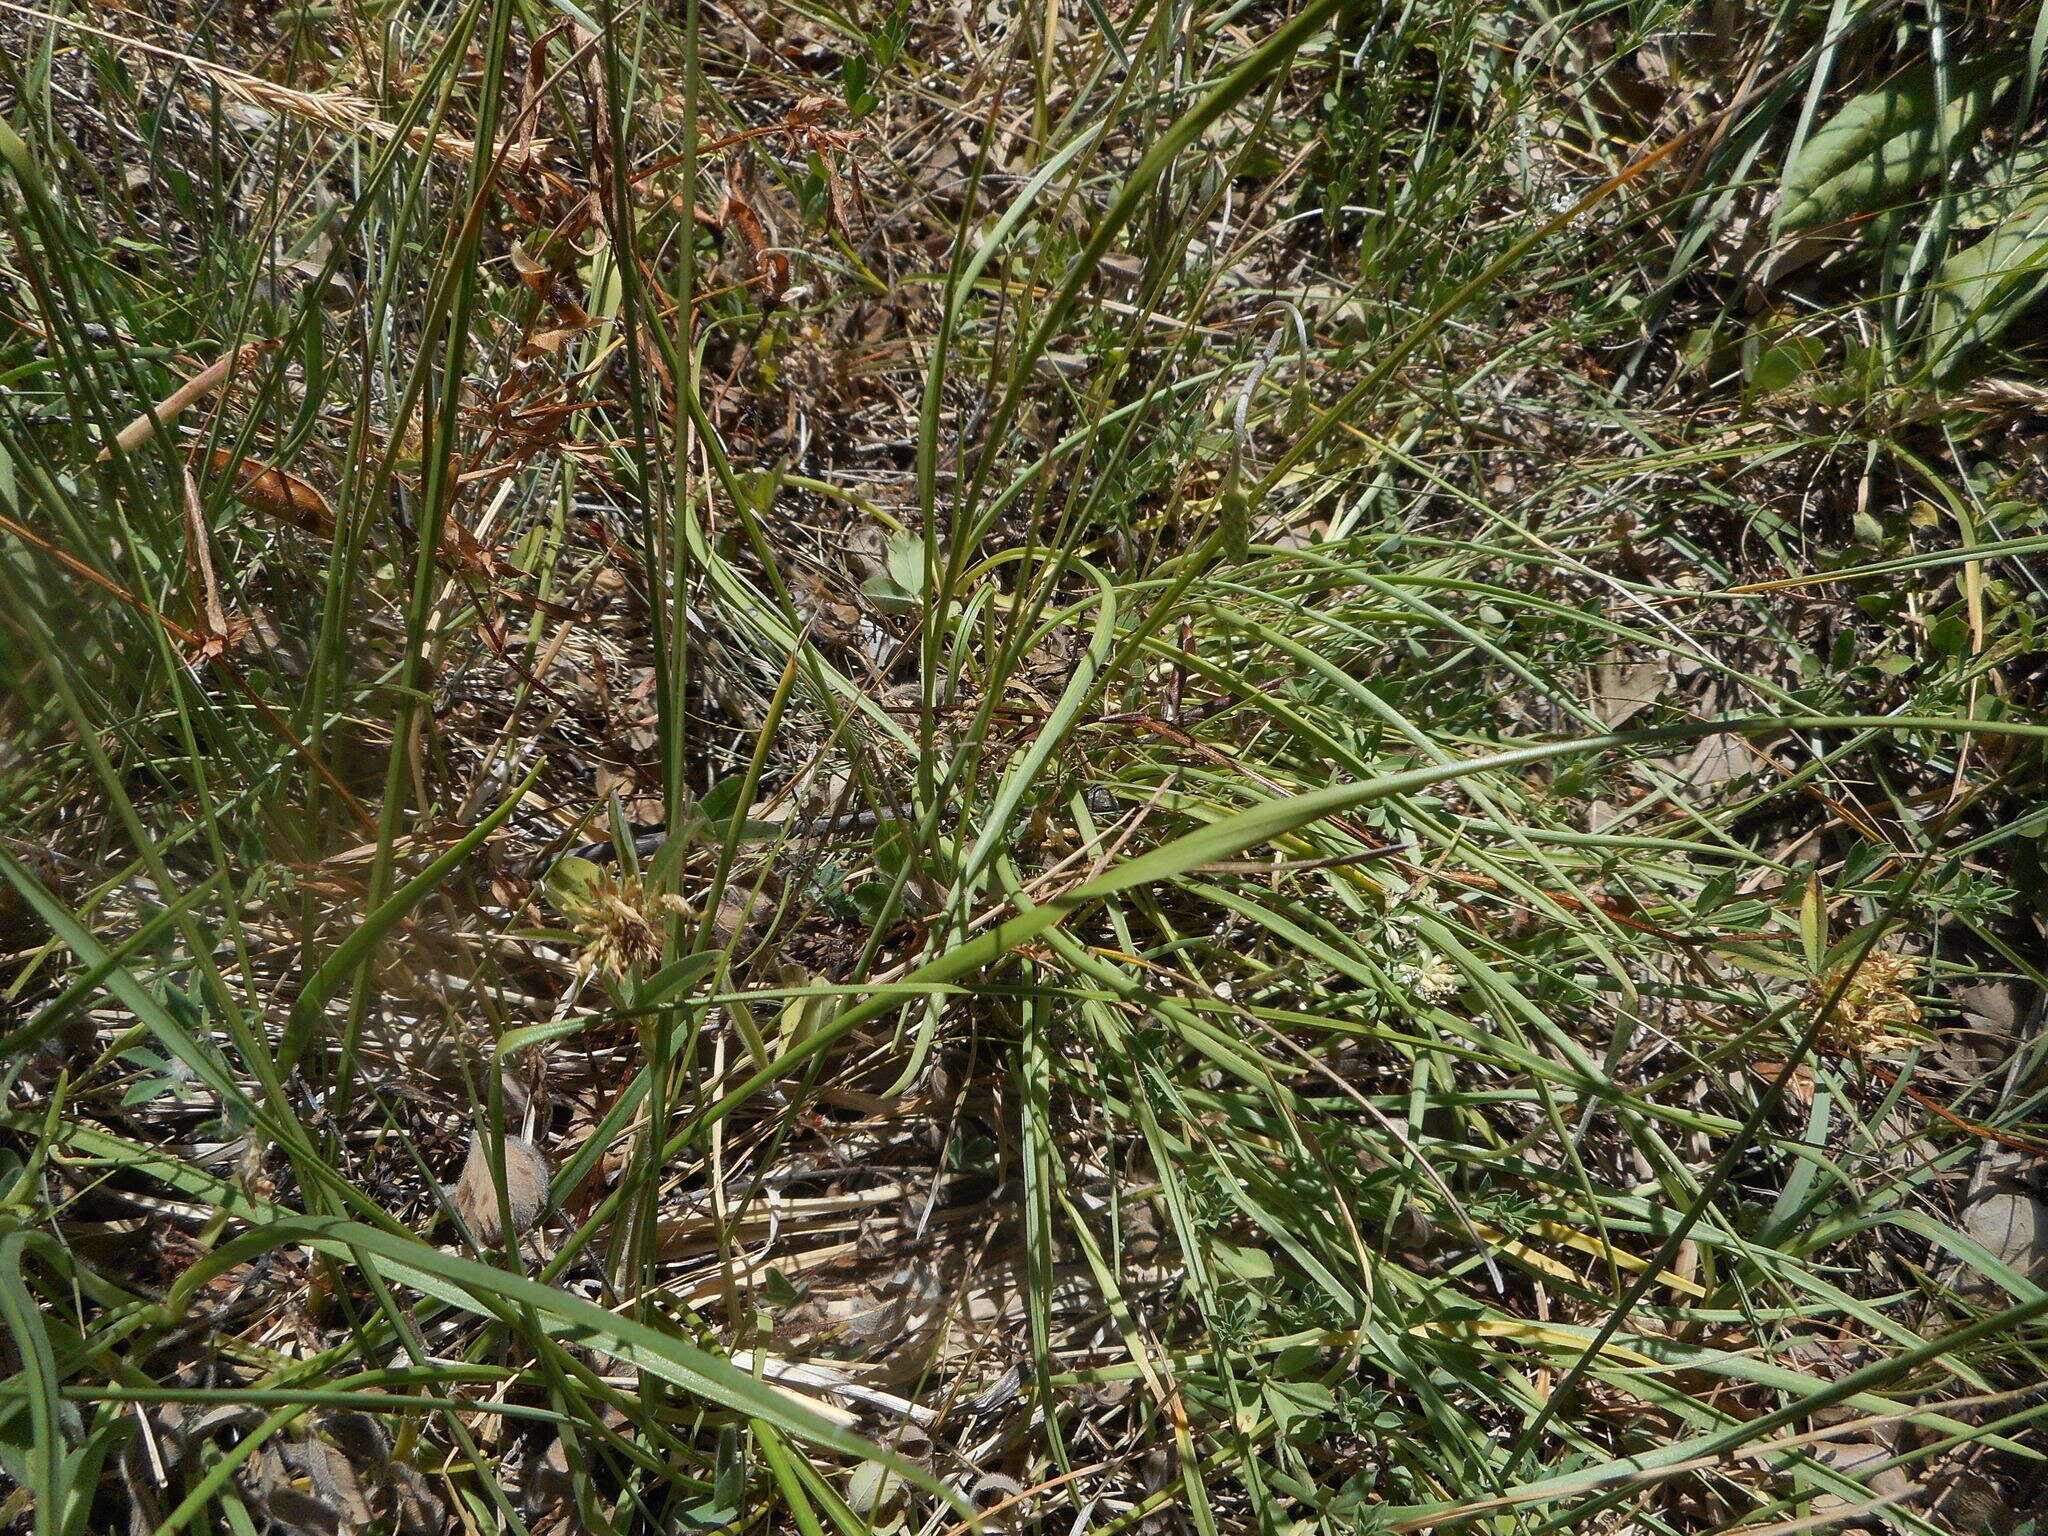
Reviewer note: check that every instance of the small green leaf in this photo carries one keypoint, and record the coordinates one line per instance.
(1950, 634)
(1235, 510)
(906, 563)
(1780, 366)
(1813, 920)
(512, 1042)
(723, 798)
(1244, 1263)
(674, 976)
(887, 596)
(875, 901)
(1292, 1401)
(571, 877)
(1700, 349)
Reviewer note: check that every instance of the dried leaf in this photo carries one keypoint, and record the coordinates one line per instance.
(275, 494)
(1625, 689)
(409, 1504)
(474, 1195)
(2004, 1211)
(770, 266)
(999, 1499)
(302, 1513)
(331, 1480)
(272, 1489)
(194, 389)
(199, 554)
(534, 272)
(549, 1486)
(360, 1437)
(147, 1463)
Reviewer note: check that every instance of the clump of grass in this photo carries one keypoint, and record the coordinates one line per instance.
(1319, 724)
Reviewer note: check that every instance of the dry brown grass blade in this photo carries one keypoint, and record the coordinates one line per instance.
(333, 110)
(181, 399)
(200, 554)
(227, 669)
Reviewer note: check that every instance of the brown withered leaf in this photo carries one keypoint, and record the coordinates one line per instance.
(148, 1464)
(474, 1195)
(413, 1508)
(288, 499)
(549, 1487)
(331, 1480)
(196, 388)
(770, 266)
(275, 494)
(199, 555)
(270, 1485)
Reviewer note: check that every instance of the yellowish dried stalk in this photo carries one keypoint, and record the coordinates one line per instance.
(194, 389)
(2003, 397)
(354, 114)
(333, 110)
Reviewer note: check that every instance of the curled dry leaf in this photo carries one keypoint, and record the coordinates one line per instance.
(199, 554)
(999, 1499)
(361, 1438)
(474, 1195)
(270, 1485)
(549, 1486)
(413, 1508)
(286, 498)
(741, 911)
(275, 494)
(148, 1464)
(771, 266)
(329, 1478)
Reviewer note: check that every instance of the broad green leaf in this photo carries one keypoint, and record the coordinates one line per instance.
(1885, 145)
(907, 563)
(571, 877)
(1291, 1402)
(2018, 179)
(1983, 289)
